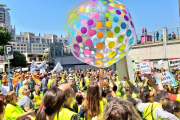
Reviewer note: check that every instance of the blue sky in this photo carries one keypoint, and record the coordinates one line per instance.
(49, 16)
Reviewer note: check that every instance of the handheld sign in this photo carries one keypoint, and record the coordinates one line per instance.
(145, 67)
(174, 63)
(168, 78)
(136, 64)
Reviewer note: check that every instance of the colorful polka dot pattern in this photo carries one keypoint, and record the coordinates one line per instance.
(101, 33)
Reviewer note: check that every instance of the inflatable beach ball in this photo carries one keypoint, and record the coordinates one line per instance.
(101, 32)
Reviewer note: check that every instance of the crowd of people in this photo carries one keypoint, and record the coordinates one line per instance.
(89, 94)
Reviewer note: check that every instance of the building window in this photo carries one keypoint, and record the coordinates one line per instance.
(18, 44)
(22, 45)
(34, 45)
(43, 40)
(21, 51)
(34, 48)
(21, 48)
(24, 48)
(60, 41)
(14, 44)
(46, 45)
(43, 45)
(37, 40)
(43, 48)
(18, 39)
(39, 48)
(48, 41)
(39, 45)
(14, 48)
(18, 48)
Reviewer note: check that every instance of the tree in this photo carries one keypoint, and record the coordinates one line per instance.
(19, 60)
(5, 37)
(45, 57)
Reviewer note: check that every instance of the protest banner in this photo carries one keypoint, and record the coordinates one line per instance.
(168, 78)
(174, 63)
(145, 67)
(36, 67)
(136, 64)
(57, 68)
(42, 71)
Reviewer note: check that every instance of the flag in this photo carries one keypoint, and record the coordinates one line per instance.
(42, 71)
(57, 68)
(35, 66)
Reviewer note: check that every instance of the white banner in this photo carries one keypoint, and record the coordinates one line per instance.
(36, 67)
(57, 68)
(42, 71)
(174, 63)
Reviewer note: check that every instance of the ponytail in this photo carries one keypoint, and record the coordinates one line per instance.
(41, 115)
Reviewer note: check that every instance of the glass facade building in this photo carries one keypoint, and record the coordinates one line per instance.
(4, 15)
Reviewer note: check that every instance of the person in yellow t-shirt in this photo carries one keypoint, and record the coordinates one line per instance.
(12, 110)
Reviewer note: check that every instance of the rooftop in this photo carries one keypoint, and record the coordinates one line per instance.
(3, 5)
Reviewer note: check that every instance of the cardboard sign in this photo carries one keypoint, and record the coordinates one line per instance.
(174, 63)
(168, 78)
(136, 64)
(145, 67)
(127, 71)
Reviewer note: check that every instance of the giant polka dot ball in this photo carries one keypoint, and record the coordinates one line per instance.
(101, 32)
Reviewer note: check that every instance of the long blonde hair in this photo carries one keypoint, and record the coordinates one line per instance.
(92, 108)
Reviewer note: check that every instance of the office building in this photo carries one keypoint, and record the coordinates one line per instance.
(35, 46)
(4, 16)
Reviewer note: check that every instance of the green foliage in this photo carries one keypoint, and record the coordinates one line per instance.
(5, 37)
(19, 59)
(45, 57)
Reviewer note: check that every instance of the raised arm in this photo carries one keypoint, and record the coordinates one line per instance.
(136, 90)
(160, 85)
(151, 82)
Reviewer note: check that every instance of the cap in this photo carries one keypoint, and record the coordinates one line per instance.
(17, 74)
(27, 76)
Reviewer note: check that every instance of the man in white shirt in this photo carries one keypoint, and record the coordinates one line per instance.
(5, 87)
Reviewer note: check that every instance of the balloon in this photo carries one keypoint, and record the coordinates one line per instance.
(101, 32)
